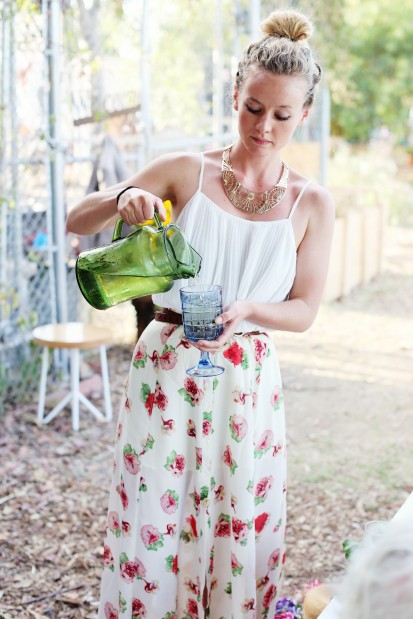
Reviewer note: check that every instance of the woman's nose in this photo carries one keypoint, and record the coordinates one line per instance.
(264, 123)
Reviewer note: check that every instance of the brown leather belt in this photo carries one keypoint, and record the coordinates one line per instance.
(168, 315)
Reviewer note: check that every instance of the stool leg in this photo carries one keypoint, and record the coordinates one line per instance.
(74, 380)
(105, 382)
(42, 388)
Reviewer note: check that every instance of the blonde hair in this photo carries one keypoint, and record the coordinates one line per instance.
(283, 50)
(379, 581)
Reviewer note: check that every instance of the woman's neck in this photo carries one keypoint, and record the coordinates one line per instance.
(256, 173)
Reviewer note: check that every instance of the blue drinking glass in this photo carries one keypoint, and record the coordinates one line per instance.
(200, 306)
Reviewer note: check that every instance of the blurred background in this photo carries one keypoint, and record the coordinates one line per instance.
(91, 91)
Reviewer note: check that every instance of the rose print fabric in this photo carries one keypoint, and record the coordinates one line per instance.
(196, 517)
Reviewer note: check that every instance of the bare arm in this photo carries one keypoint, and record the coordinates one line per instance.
(156, 182)
(299, 311)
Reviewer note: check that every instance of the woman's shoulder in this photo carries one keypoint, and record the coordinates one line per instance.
(178, 159)
(317, 197)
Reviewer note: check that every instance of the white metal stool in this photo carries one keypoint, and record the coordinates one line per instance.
(74, 336)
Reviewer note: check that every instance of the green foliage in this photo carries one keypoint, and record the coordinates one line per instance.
(349, 547)
(366, 51)
(374, 86)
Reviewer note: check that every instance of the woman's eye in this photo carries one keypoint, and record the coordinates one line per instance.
(253, 110)
(281, 117)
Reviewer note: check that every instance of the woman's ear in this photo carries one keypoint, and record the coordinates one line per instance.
(304, 116)
(235, 99)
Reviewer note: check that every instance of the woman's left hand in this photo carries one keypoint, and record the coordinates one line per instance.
(230, 318)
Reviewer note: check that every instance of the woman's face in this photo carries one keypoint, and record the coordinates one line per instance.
(270, 107)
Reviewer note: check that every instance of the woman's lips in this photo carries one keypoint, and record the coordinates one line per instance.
(261, 140)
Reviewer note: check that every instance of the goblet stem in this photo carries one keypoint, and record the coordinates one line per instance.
(205, 361)
(205, 368)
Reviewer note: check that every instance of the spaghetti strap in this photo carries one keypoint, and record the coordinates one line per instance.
(298, 199)
(201, 172)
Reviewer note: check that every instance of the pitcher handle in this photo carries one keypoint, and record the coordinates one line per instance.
(117, 232)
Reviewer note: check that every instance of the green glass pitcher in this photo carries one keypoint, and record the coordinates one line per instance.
(144, 262)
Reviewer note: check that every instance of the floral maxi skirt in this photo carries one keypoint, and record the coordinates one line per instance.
(196, 519)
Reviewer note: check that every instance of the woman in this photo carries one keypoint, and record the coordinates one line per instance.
(196, 518)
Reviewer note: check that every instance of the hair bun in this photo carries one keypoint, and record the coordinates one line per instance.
(287, 23)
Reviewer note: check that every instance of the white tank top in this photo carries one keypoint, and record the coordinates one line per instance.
(254, 260)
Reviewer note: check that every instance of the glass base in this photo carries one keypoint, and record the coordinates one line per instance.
(205, 372)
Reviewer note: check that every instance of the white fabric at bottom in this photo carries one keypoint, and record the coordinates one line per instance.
(196, 518)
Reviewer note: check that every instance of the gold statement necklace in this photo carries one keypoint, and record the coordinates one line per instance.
(250, 201)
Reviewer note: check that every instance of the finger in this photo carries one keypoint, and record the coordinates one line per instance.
(222, 318)
(159, 205)
(148, 209)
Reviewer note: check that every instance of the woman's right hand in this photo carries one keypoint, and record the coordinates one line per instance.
(136, 206)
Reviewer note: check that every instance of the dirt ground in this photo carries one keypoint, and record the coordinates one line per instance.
(348, 393)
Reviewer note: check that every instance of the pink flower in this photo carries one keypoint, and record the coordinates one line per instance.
(174, 565)
(266, 439)
(150, 536)
(155, 359)
(192, 609)
(120, 489)
(219, 493)
(239, 396)
(262, 582)
(167, 332)
(240, 529)
(107, 556)
(275, 397)
(234, 560)
(128, 571)
(193, 390)
(168, 360)
(192, 523)
(192, 586)
(263, 487)
(177, 468)
(234, 353)
(190, 428)
(269, 596)
(274, 559)
(171, 530)
(140, 352)
(222, 527)
(161, 400)
(150, 401)
(140, 569)
(110, 611)
(169, 502)
(113, 521)
(168, 426)
(138, 609)
(238, 426)
(206, 427)
(248, 604)
(131, 462)
(198, 456)
(228, 459)
(260, 522)
(125, 528)
(261, 349)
